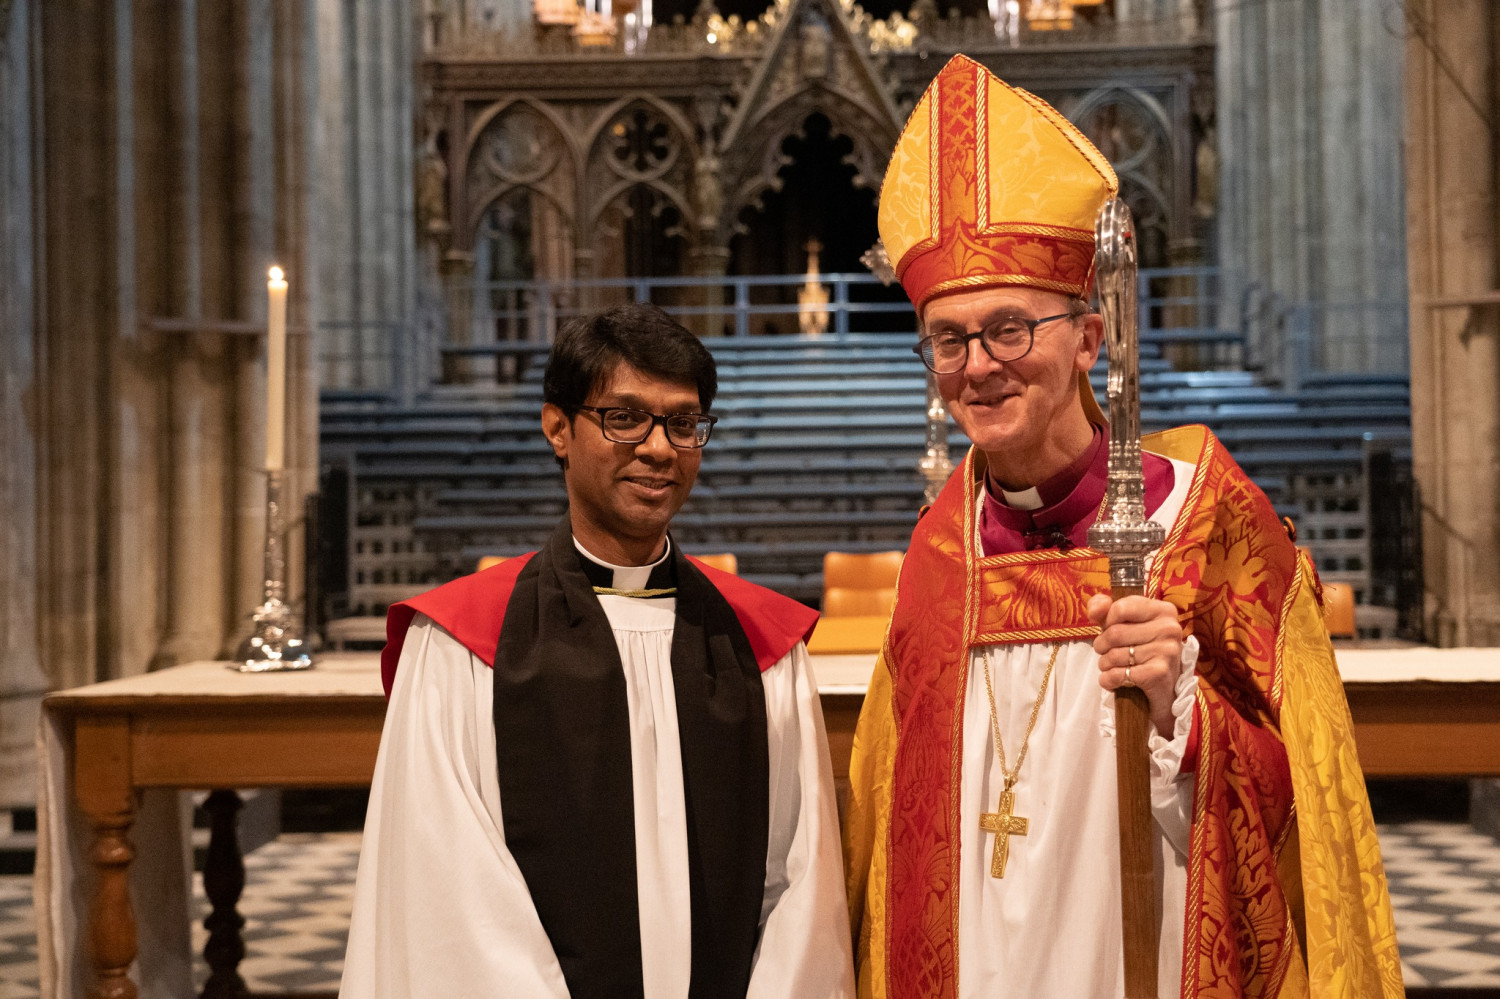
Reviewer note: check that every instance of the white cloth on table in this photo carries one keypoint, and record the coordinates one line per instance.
(160, 879)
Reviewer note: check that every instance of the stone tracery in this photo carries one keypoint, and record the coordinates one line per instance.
(685, 135)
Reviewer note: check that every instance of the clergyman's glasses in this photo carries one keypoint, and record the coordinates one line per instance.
(631, 426)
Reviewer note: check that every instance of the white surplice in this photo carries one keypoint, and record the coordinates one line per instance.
(441, 909)
(1050, 929)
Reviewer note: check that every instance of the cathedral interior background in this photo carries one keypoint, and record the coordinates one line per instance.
(446, 181)
(724, 164)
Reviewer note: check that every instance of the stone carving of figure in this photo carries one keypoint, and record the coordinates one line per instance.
(432, 190)
(431, 175)
(1207, 164)
(816, 54)
(708, 190)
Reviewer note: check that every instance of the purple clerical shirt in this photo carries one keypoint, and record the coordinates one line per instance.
(1057, 513)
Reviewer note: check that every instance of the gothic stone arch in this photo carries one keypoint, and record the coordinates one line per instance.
(756, 158)
(514, 143)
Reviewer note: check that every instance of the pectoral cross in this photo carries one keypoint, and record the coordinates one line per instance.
(1003, 824)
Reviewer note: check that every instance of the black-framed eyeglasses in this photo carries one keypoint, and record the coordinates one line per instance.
(623, 425)
(1007, 339)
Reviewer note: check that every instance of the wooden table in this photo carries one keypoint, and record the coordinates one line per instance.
(198, 726)
(205, 727)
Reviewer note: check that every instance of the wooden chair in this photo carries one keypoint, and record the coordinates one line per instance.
(1338, 605)
(360, 631)
(1338, 610)
(723, 561)
(860, 585)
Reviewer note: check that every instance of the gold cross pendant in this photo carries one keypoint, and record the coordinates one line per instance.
(1004, 825)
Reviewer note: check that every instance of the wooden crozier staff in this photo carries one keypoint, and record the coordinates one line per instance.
(1127, 537)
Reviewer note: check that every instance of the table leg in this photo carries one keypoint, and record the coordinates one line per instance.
(104, 794)
(223, 882)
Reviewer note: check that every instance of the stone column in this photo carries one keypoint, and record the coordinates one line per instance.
(1451, 112)
(1310, 102)
(291, 78)
(22, 680)
(1361, 251)
(158, 155)
(167, 175)
(190, 240)
(711, 262)
(362, 203)
(78, 235)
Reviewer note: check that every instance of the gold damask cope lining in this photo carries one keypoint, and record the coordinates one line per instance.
(1350, 930)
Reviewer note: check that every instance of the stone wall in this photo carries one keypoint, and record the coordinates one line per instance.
(156, 156)
(1451, 118)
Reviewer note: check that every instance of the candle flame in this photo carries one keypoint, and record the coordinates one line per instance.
(276, 274)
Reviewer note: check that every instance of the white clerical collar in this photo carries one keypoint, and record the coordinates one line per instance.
(627, 577)
(1027, 499)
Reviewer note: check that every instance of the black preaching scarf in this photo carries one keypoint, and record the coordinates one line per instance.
(562, 738)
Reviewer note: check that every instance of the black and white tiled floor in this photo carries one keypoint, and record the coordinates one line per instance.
(298, 891)
(1445, 884)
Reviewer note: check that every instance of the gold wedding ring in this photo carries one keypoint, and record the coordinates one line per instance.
(1128, 681)
(1131, 660)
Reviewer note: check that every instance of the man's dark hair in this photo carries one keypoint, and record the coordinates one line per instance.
(588, 349)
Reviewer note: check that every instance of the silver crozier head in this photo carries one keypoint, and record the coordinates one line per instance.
(1122, 531)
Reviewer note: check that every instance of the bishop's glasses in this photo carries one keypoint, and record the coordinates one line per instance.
(1007, 339)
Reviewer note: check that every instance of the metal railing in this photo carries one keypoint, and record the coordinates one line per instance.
(1180, 316)
(483, 330)
(1349, 337)
(730, 306)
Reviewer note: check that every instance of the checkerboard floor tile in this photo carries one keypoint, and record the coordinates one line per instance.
(298, 891)
(295, 927)
(1445, 884)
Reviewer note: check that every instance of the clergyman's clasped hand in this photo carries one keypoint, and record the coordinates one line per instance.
(1140, 644)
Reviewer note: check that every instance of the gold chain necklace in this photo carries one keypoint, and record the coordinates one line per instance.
(1003, 822)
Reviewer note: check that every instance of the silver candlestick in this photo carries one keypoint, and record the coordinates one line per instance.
(1122, 532)
(935, 465)
(275, 644)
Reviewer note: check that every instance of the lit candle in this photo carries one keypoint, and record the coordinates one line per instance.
(276, 373)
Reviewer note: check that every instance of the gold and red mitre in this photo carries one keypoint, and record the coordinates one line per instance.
(989, 185)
